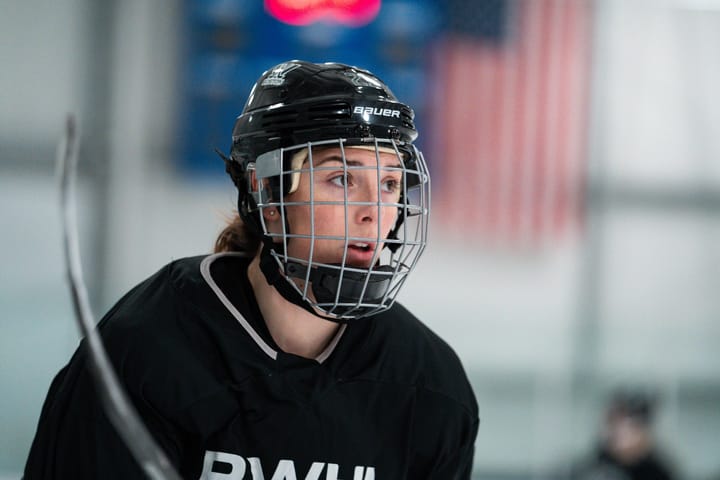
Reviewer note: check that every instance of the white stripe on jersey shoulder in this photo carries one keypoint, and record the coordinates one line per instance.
(205, 272)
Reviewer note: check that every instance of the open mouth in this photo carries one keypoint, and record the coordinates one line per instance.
(360, 246)
(360, 254)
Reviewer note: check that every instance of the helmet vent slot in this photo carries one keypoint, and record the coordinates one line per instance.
(329, 111)
(279, 117)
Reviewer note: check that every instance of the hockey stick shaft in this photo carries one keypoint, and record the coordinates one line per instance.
(120, 411)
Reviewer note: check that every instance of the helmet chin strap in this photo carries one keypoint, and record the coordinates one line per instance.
(324, 282)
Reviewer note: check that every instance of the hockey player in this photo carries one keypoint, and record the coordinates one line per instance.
(627, 447)
(284, 355)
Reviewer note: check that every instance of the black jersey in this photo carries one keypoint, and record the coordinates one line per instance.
(386, 400)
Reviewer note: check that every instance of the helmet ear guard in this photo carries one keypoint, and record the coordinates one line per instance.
(272, 164)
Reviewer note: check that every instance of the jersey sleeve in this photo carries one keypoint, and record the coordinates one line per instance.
(156, 361)
(445, 434)
(75, 438)
(445, 412)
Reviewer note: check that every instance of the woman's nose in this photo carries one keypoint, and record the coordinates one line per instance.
(368, 194)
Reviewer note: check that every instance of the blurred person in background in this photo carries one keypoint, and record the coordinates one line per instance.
(284, 354)
(628, 448)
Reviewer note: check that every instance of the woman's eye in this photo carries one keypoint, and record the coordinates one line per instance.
(342, 180)
(391, 186)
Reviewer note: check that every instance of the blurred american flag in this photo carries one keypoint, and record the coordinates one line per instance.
(509, 120)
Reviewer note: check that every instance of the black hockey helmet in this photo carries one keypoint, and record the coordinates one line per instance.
(635, 403)
(297, 102)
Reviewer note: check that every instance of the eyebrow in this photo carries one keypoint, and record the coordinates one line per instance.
(351, 163)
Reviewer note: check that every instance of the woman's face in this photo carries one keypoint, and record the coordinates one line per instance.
(329, 182)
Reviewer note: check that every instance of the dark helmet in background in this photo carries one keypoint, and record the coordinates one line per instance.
(295, 108)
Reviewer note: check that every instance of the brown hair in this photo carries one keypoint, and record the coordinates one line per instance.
(237, 237)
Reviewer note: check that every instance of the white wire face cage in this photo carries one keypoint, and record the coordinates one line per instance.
(369, 259)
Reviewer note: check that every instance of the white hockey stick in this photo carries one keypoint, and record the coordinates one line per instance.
(121, 412)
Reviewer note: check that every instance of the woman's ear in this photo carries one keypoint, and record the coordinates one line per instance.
(270, 214)
(272, 220)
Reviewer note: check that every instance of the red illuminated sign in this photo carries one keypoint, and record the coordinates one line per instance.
(303, 12)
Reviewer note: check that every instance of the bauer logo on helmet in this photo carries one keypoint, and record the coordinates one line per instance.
(380, 112)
